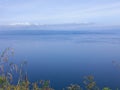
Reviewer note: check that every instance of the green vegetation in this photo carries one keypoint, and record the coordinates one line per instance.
(8, 70)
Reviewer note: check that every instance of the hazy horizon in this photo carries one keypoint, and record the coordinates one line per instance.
(57, 27)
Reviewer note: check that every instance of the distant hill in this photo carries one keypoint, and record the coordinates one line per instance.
(82, 26)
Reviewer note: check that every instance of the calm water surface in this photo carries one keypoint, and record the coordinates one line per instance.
(66, 59)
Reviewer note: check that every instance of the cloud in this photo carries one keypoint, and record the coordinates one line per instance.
(25, 23)
(43, 12)
(98, 13)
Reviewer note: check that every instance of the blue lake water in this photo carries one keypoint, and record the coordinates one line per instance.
(67, 58)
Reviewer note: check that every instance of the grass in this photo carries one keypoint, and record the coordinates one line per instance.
(9, 70)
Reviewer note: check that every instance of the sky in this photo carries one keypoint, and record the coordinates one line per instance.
(106, 12)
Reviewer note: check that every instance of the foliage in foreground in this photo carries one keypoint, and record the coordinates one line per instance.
(9, 72)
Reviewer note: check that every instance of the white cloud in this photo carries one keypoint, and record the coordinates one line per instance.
(36, 12)
(25, 23)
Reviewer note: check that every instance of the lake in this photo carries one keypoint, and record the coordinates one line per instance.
(65, 57)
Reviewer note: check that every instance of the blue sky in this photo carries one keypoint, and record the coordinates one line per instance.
(60, 11)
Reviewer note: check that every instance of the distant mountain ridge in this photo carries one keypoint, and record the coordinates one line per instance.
(71, 26)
